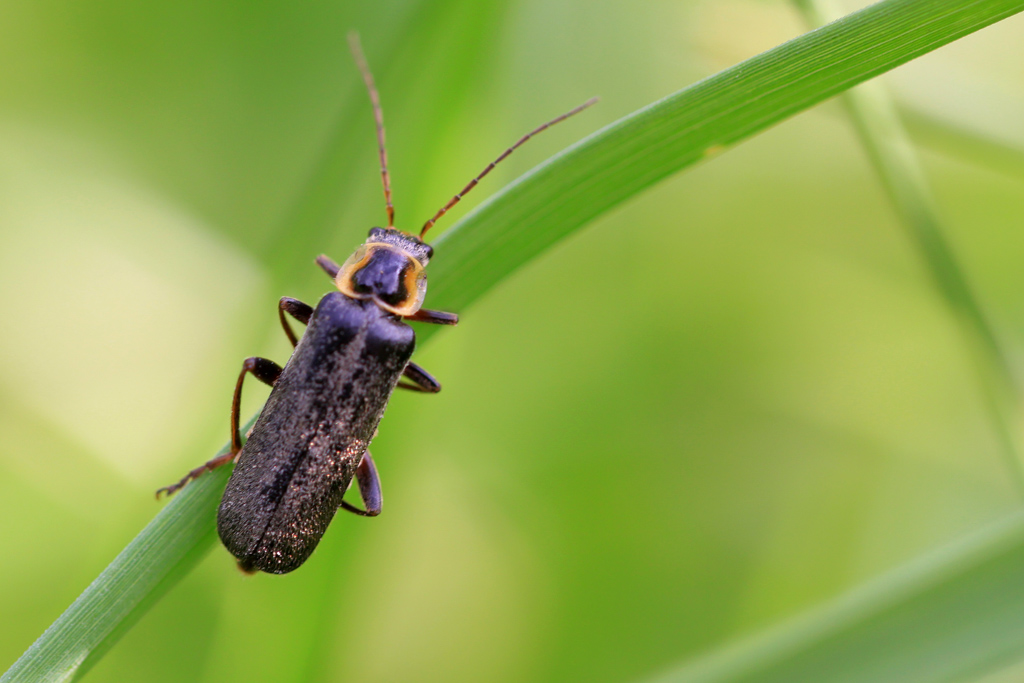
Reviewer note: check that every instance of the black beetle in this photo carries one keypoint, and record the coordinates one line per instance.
(312, 435)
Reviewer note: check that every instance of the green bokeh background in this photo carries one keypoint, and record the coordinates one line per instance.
(725, 402)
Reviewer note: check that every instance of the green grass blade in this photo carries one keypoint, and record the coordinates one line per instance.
(614, 164)
(167, 549)
(965, 139)
(521, 221)
(888, 146)
(952, 615)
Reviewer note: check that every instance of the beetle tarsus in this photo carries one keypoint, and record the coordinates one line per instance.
(194, 474)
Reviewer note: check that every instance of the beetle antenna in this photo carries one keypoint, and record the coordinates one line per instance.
(455, 200)
(378, 117)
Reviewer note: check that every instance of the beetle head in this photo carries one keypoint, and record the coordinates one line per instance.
(388, 268)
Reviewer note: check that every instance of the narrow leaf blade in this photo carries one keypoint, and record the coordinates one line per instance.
(612, 165)
(950, 615)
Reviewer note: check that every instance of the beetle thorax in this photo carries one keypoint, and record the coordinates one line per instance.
(389, 268)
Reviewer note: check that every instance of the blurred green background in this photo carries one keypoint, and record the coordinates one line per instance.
(727, 401)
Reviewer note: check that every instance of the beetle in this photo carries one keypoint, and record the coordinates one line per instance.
(312, 436)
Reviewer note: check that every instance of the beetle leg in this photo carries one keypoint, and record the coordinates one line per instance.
(298, 310)
(435, 317)
(420, 378)
(222, 459)
(369, 488)
(329, 266)
(264, 370)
